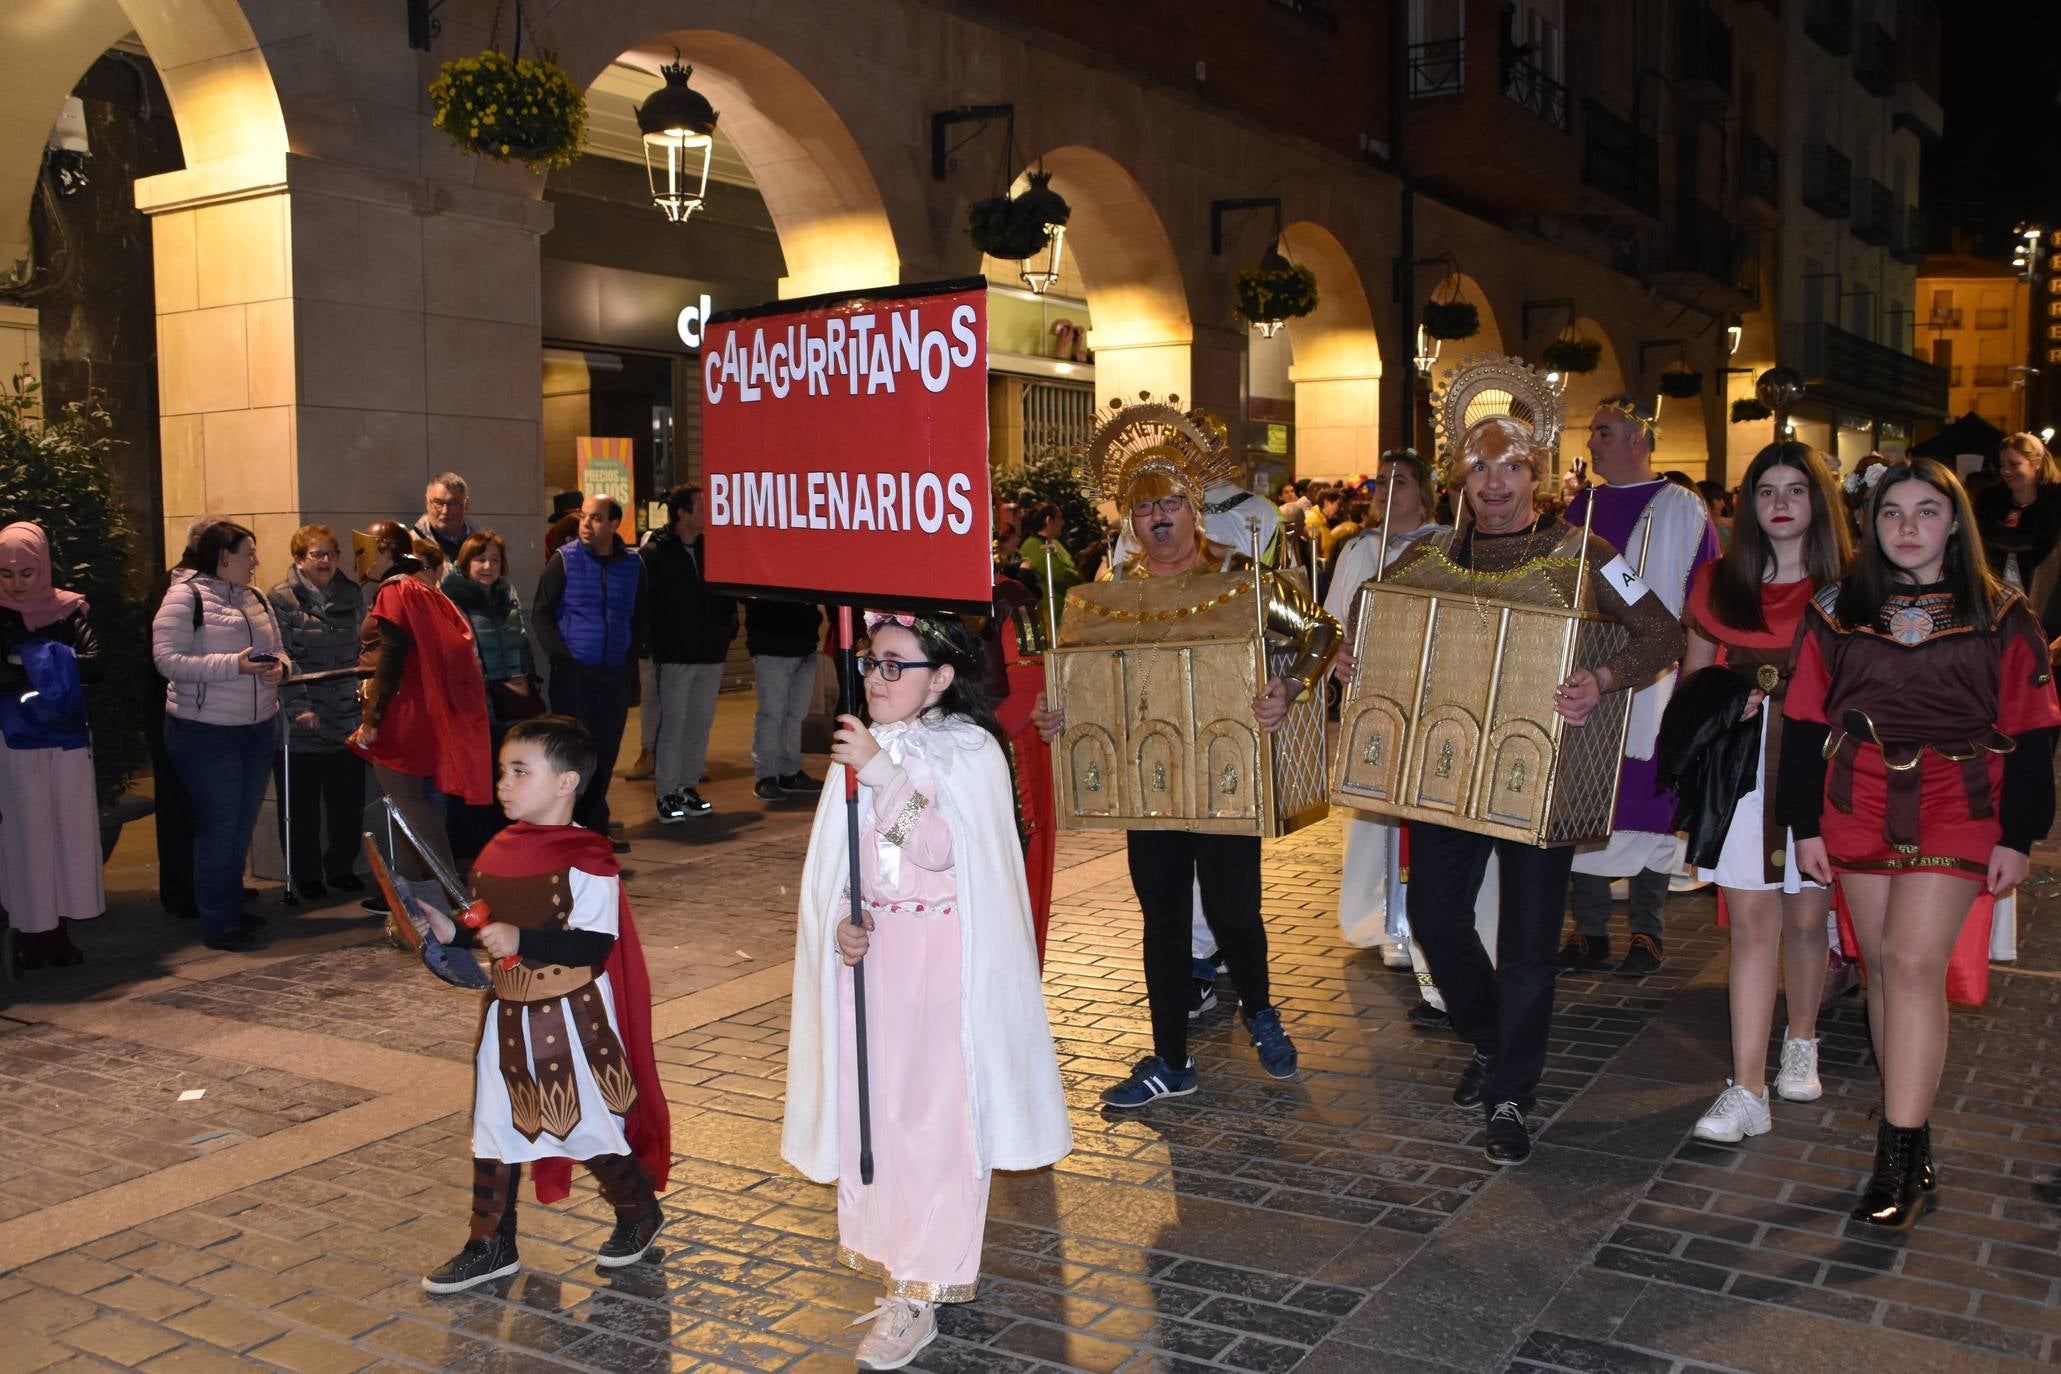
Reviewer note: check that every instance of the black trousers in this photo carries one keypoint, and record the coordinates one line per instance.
(174, 823)
(598, 698)
(1165, 865)
(1505, 1008)
(327, 797)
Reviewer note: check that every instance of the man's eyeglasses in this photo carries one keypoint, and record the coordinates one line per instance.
(890, 669)
(1165, 505)
(442, 503)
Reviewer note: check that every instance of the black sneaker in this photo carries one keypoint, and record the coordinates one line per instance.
(799, 781)
(235, 942)
(1585, 952)
(1468, 1093)
(630, 1239)
(767, 789)
(1425, 1016)
(1643, 957)
(481, 1261)
(672, 809)
(1508, 1142)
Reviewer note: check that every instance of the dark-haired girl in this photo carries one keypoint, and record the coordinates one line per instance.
(1916, 766)
(962, 1075)
(1742, 613)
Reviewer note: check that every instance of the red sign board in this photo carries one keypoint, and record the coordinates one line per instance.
(846, 448)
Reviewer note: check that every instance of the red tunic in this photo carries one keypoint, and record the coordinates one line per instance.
(1918, 693)
(436, 725)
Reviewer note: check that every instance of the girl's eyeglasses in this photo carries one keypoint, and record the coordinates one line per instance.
(890, 669)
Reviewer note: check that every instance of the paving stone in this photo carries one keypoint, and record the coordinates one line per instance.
(124, 1340)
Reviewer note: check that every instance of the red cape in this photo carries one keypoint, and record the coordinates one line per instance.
(436, 724)
(523, 850)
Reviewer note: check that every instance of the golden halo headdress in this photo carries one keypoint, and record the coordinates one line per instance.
(1488, 384)
(1154, 438)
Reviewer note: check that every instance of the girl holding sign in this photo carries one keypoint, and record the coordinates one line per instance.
(962, 1075)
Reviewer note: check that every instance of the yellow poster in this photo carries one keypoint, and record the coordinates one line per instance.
(607, 467)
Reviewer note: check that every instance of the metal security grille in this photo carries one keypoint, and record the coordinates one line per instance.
(1056, 415)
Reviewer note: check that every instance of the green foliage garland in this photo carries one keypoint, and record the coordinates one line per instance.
(1451, 320)
(510, 109)
(1277, 289)
(1572, 355)
(57, 472)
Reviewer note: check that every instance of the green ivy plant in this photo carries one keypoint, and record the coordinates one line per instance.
(1682, 382)
(1276, 290)
(58, 472)
(1746, 410)
(1572, 355)
(522, 109)
(1451, 320)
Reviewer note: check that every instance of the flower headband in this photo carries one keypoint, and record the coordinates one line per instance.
(1863, 479)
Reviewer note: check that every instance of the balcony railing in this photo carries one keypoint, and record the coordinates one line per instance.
(1438, 67)
(1706, 47)
(1874, 219)
(1949, 318)
(1760, 171)
(1993, 319)
(1530, 87)
(1827, 181)
(1875, 65)
(1992, 374)
(1863, 372)
(1830, 25)
(1619, 160)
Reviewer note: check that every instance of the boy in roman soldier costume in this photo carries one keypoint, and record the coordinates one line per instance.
(564, 1069)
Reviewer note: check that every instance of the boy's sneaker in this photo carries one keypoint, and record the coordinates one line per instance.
(672, 809)
(767, 789)
(1276, 1050)
(801, 782)
(481, 1261)
(1642, 957)
(630, 1239)
(1735, 1115)
(1204, 996)
(1798, 1080)
(1153, 1079)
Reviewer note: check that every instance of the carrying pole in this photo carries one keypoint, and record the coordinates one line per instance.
(288, 897)
(848, 649)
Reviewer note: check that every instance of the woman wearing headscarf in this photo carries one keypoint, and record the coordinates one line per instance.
(216, 643)
(49, 816)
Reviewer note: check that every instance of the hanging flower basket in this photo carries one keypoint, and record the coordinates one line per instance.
(1276, 290)
(1572, 355)
(1015, 227)
(1746, 410)
(510, 109)
(1682, 382)
(1451, 320)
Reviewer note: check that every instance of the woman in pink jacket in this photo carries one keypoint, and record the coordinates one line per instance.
(216, 642)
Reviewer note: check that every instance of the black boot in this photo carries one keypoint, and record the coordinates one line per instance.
(1928, 1177)
(1892, 1198)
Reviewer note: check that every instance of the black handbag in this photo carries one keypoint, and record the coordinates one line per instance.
(1708, 756)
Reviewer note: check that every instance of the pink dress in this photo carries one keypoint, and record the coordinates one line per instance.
(918, 1225)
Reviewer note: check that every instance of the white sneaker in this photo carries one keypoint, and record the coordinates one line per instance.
(1395, 954)
(1798, 1080)
(1735, 1115)
(901, 1328)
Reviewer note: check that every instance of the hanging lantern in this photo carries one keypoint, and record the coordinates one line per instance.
(1427, 351)
(1041, 204)
(678, 125)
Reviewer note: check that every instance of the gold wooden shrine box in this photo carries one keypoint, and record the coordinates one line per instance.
(1158, 676)
(1450, 718)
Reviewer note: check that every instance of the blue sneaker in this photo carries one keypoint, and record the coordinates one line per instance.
(1276, 1050)
(1154, 1078)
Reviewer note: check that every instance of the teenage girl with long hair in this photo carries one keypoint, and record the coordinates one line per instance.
(1788, 540)
(1916, 766)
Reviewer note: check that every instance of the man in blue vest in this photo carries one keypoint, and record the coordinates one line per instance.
(590, 619)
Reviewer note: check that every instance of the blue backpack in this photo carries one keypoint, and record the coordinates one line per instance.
(51, 714)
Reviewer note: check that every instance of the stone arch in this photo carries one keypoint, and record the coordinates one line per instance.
(1488, 339)
(1585, 389)
(1336, 365)
(214, 72)
(834, 228)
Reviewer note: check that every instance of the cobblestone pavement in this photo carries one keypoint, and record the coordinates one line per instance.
(1344, 1222)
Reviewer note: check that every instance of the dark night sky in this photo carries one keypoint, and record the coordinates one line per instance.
(2000, 159)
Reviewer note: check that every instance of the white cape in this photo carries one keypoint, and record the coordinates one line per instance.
(1005, 1040)
(1662, 548)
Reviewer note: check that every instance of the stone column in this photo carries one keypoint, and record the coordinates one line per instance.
(1337, 424)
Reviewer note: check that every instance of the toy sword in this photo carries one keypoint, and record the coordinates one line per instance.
(465, 909)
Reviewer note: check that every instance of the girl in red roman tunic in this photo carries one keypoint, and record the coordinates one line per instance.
(1916, 765)
(1742, 613)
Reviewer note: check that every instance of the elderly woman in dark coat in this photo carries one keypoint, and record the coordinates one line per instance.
(320, 609)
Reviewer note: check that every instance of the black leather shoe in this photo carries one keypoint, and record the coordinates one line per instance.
(1893, 1198)
(1425, 1016)
(630, 1239)
(235, 942)
(1508, 1142)
(1468, 1094)
(1643, 957)
(481, 1261)
(1585, 952)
